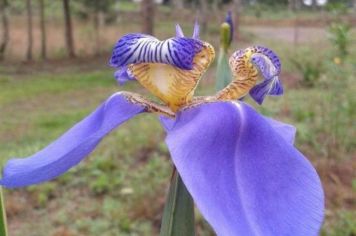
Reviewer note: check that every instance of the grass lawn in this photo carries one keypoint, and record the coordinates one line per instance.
(109, 191)
(121, 187)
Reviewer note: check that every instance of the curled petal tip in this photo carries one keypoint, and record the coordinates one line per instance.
(269, 66)
(196, 30)
(270, 55)
(179, 31)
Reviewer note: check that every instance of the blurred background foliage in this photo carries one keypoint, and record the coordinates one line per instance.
(54, 71)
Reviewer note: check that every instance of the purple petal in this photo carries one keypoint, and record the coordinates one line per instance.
(179, 31)
(272, 56)
(244, 177)
(122, 75)
(269, 66)
(196, 30)
(265, 65)
(140, 48)
(69, 149)
(286, 131)
(266, 87)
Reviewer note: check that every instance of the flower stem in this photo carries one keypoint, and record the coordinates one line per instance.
(3, 224)
(178, 214)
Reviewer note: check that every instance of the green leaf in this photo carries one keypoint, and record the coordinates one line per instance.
(178, 214)
(3, 225)
(223, 72)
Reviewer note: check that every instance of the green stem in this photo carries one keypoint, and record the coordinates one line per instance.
(3, 224)
(178, 214)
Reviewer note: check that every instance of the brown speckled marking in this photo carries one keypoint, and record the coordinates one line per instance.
(150, 106)
(245, 77)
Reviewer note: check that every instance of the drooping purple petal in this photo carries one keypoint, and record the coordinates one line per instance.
(196, 30)
(69, 149)
(179, 31)
(140, 48)
(266, 87)
(244, 177)
(122, 75)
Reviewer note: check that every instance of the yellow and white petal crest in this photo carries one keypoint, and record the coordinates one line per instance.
(174, 86)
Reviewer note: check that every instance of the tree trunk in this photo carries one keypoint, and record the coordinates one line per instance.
(204, 15)
(5, 28)
(177, 5)
(216, 4)
(68, 29)
(314, 5)
(296, 30)
(96, 32)
(294, 5)
(148, 11)
(298, 4)
(291, 5)
(99, 21)
(43, 30)
(238, 7)
(29, 30)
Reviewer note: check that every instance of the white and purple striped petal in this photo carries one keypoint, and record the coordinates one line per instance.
(140, 48)
(265, 66)
(270, 55)
(245, 177)
(72, 147)
(269, 66)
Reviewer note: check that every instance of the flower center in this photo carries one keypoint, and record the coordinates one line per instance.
(174, 86)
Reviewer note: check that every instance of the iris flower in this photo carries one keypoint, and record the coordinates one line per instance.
(241, 168)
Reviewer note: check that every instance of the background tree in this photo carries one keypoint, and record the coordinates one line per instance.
(29, 30)
(97, 10)
(148, 12)
(5, 28)
(314, 4)
(238, 11)
(68, 28)
(43, 30)
(291, 5)
(203, 15)
(177, 5)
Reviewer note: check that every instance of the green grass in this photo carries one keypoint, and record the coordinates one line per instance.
(109, 191)
(120, 188)
(38, 109)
